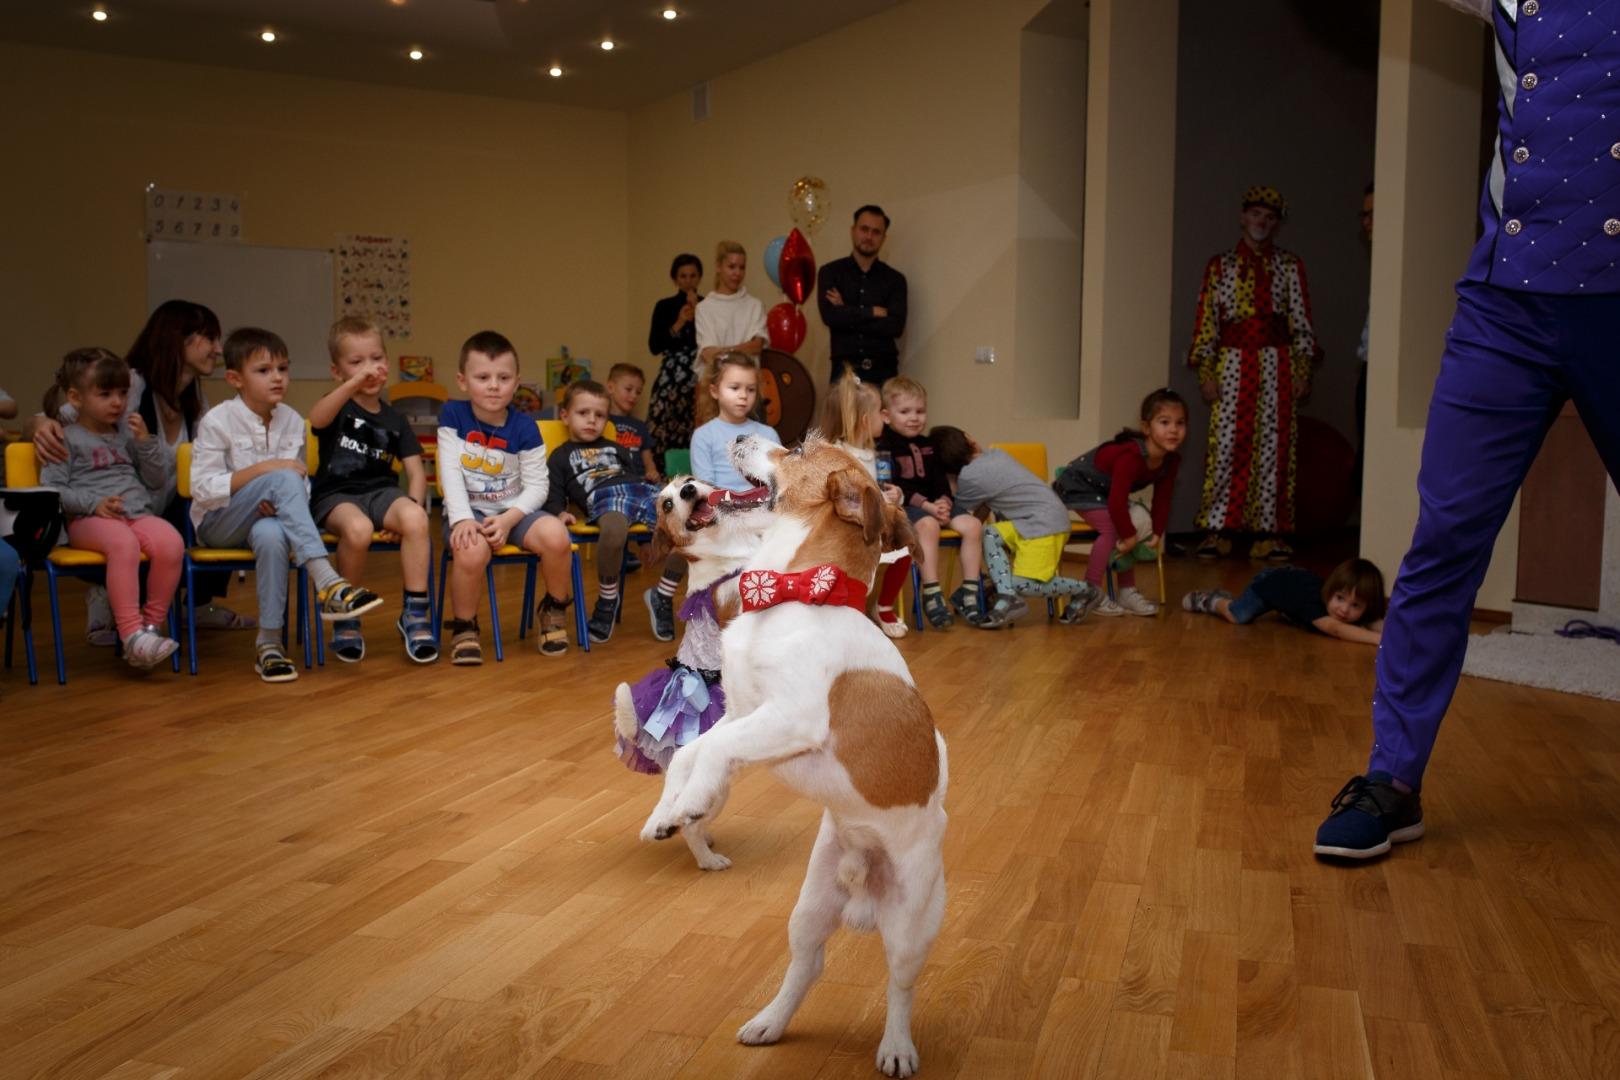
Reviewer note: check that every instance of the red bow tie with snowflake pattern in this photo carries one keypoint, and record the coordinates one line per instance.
(827, 585)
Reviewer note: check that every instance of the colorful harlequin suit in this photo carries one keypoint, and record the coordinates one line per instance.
(1537, 324)
(1253, 338)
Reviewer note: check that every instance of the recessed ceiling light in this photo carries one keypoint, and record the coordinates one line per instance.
(416, 54)
(555, 71)
(100, 14)
(669, 13)
(268, 35)
(607, 46)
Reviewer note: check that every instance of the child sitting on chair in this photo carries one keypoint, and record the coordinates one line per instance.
(248, 488)
(624, 383)
(355, 491)
(595, 473)
(1023, 550)
(492, 467)
(1349, 605)
(926, 492)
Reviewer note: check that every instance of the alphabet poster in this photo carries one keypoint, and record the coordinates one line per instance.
(374, 280)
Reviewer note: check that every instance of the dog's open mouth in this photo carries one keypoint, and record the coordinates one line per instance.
(739, 500)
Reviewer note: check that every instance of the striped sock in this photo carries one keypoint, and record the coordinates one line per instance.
(607, 590)
(667, 586)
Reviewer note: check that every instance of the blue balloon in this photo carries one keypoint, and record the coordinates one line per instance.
(773, 255)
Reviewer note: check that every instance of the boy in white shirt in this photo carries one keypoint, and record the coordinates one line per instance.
(247, 489)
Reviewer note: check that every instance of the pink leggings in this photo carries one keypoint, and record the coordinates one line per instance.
(123, 541)
(1102, 552)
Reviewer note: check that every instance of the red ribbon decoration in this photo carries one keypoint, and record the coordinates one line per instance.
(821, 585)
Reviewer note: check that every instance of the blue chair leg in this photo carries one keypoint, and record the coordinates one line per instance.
(581, 633)
(174, 630)
(916, 594)
(433, 606)
(56, 625)
(191, 615)
(531, 571)
(494, 609)
(316, 631)
(25, 612)
(438, 609)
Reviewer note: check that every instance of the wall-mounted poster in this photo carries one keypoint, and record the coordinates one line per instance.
(374, 280)
(207, 217)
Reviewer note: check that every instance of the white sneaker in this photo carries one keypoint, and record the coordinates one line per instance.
(1107, 608)
(893, 626)
(1134, 603)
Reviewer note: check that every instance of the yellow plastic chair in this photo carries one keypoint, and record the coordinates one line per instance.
(229, 559)
(22, 470)
(431, 391)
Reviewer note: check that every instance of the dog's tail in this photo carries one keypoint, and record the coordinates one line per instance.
(860, 911)
(625, 720)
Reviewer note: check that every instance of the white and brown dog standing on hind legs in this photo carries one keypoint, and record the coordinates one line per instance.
(815, 690)
(673, 704)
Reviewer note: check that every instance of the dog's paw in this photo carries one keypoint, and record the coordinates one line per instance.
(712, 860)
(897, 1059)
(762, 1030)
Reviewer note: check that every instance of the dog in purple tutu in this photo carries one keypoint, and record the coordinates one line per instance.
(674, 704)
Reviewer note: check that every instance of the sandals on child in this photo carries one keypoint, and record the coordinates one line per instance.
(273, 666)
(465, 649)
(347, 643)
(553, 625)
(421, 644)
(966, 603)
(933, 605)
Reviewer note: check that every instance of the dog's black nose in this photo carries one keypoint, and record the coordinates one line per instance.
(689, 492)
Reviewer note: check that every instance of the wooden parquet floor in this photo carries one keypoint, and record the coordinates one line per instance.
(385, 870)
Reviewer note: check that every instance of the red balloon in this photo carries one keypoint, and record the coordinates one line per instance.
(797, 268)
(786, 324)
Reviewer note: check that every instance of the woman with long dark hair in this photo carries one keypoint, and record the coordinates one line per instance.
(674, 337)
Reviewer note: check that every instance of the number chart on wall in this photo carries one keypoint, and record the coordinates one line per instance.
(208, 217)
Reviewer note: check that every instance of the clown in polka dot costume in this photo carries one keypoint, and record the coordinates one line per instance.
(1253, 347)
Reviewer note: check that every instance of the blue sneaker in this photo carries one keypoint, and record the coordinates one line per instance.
(1369, 813)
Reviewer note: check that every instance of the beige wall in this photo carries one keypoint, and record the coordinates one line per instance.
(916, 109)
(516, 211)
(1428, 187)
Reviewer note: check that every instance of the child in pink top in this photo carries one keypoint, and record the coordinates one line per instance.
(1098, 485)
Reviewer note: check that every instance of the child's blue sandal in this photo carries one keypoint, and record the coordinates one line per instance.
(347, 643)
(417, 629)
(933, 605)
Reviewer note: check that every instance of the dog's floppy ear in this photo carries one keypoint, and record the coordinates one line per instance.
(898, 532)
(856, 499)
(658, 548)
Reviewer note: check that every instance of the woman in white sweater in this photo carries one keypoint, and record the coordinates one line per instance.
(728, 319)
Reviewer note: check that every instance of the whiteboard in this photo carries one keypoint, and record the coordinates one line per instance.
(291, 291)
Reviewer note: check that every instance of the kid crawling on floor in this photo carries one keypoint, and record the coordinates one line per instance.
(1349, 605)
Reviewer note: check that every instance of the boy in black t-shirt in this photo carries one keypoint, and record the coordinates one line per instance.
(925, 492)
(624, 383)
(355, 492)
(1349, 605)
(595, 473)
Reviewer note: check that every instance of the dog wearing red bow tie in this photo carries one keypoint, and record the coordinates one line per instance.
(815, 690)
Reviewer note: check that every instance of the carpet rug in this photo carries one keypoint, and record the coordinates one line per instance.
(1579, 666)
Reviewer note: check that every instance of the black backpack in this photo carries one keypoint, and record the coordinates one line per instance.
(31, 520)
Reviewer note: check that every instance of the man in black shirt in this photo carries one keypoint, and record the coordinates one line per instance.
(863, 303)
